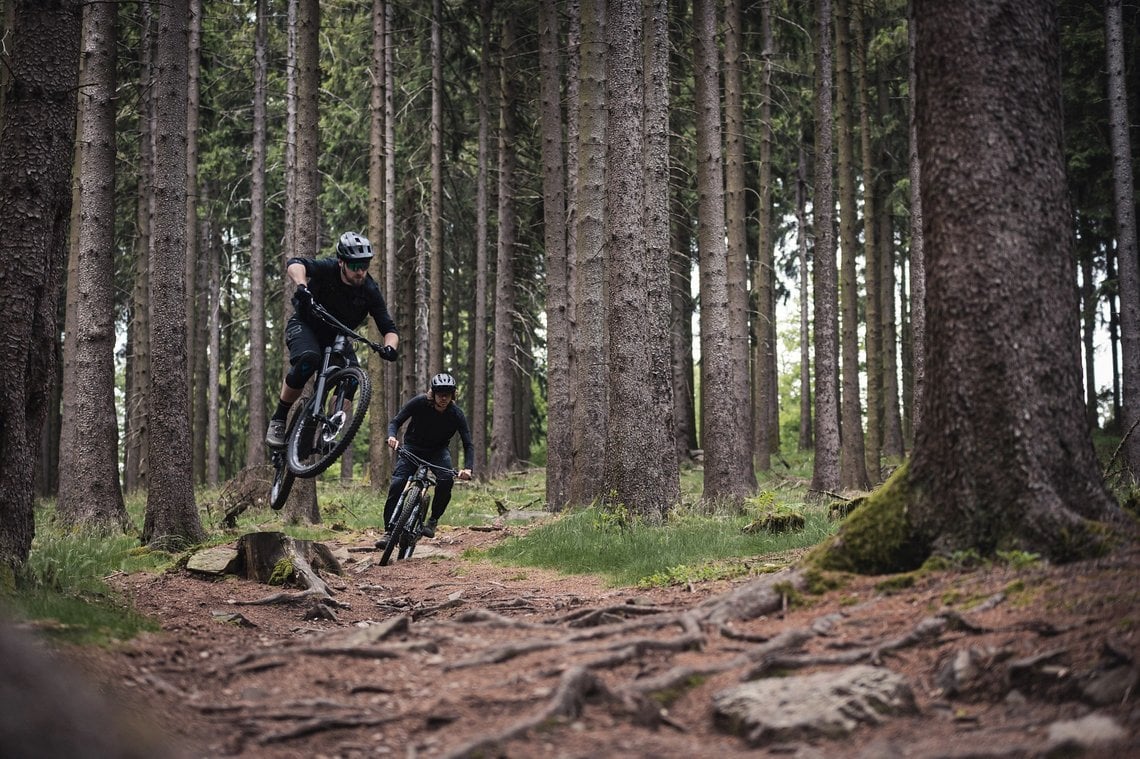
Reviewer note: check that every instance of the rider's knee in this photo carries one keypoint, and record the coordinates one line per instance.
(303, 367)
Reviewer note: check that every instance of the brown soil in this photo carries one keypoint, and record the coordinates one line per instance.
(553, 665)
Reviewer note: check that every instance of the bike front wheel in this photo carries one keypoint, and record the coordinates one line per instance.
(330, 424)
(282, 484)
(399, 529)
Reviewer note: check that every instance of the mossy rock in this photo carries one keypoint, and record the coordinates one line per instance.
(776, 522)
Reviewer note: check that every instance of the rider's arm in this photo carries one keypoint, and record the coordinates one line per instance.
(398, 420)
(384, 321)
(297, 271)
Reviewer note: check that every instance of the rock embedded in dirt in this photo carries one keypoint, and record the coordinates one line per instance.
(824, 704)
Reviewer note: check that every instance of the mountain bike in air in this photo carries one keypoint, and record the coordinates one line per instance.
(325, 424)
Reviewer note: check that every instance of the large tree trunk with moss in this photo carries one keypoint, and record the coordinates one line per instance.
(1003, 459)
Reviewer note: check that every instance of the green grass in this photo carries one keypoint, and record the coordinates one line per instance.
(590, 541)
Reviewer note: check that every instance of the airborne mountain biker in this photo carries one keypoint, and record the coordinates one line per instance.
(343, 287)
(434, 421)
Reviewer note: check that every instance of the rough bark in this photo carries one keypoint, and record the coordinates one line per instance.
(559, 456)
(302, 504)
(736, 236)
(765, 382)
(724, 379)
(591, 335)
(89, 490)
(36, 139)
(825, 468)
(636, 281)
(255, 445)
(379, 460)
(1124, 203)
(805, 436)
(435, 299)
(171, 513)
(912, 412)
(852, 464)
(873, 300)
(478, 419)
(1004, 459)
(504, 453)
(135, 463)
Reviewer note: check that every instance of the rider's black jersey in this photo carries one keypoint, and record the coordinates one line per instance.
(351, 305)
(431, 430)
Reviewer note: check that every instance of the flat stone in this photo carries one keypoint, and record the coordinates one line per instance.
(219, 560)
(821, 705)
(1084, 733)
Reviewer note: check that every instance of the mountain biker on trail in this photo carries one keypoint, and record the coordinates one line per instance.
(343, 287)
(435, 418)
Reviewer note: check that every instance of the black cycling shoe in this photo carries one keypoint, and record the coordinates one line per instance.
(428, 530)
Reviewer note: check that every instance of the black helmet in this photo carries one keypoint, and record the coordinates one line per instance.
(353, 247)
(443, 381)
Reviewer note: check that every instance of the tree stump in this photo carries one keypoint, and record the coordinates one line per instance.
(261, 556)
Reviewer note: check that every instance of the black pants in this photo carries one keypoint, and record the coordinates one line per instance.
(406, 468)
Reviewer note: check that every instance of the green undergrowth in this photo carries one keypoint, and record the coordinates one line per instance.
(688, 547)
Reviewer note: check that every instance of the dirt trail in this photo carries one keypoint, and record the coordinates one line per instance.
(439, 656)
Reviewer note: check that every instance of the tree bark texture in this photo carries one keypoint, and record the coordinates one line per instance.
(171, 513)
(639, 431)
(504, 454)
(559, 455)
(852, 463)
(1124, 202)
(591, 334)
(725, 393)
(89, 489)
(1003, 457)
(257, 397)
(435, 319)
(37, 136)
(478, 420)
(825, 469)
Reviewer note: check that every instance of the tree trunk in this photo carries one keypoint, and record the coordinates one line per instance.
(917, 355)
(681, 318)
(559, 455)
(197, 303)
(765, 381)
(1003, 459)
(435, 319)
(379, 468)
(805, 436)
(825, 471)
(590, 334)
(736, 236)
(1124, 203)
(37, 135)
(171, 513)
(504, 454)
(640, 465)
(302, 503)
(873, 450)
(478, 419)
(725, 432)
(138, 345)
(89, 491)
(211, 252)
(255, 445)
(852, 460)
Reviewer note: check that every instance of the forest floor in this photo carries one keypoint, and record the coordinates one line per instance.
(446, 656)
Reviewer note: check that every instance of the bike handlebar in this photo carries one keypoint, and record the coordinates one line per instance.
(322, 313)
(403, 451)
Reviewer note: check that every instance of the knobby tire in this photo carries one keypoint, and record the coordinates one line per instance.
(304, 426)
(282, 484)
(398, 534)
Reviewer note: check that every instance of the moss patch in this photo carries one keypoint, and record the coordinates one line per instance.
(877, 537)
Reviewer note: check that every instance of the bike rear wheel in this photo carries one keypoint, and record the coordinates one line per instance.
(327, 429)
(282, 484)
